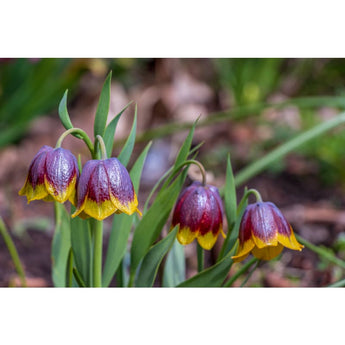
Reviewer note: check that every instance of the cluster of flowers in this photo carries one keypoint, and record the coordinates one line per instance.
(105, 187)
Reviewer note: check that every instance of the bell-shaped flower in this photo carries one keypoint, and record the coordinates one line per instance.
(105, 187)
(199, 213)
(53, 174)
(264, 232)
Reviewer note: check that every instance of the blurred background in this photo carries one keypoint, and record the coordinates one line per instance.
(236, 100)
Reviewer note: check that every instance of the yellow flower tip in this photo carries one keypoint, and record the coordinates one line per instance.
(208, 240)
(185, 236)
(267, 253)
(139, 212)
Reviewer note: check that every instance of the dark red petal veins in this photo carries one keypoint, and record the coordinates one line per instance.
(98, 185)
(37, 167)
(282, 224)
(61, 168)
(263, 222)
(120, 182)
(245, 231)
(83, 183)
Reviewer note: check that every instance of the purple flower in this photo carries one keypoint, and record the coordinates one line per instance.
(53, 174)
(199, 213)
(105, 187)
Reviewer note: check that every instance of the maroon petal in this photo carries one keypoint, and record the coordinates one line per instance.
(61, 168)
(120, 183)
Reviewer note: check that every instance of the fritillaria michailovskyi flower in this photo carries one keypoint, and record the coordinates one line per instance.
(105, 187)
(264, 232)
(53, 174)
(199, 213)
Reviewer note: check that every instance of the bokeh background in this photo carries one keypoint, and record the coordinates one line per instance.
(235, 99)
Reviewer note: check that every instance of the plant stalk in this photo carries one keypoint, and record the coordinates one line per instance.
(201, 257)
(97, 227)
(13, 252)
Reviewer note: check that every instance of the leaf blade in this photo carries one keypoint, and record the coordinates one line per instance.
(121, 227)
(152, 260)
(127, 149)
(103, 108)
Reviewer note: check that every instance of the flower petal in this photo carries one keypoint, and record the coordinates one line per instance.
(208, 240)
(264, 227)
(267, 253)
(121, 188)
(243, 250)
(34, 187)
(83, 185)
(185, 235)
(61, 174)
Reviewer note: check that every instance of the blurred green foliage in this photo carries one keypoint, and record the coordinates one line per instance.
(251, 80)
(29, 88)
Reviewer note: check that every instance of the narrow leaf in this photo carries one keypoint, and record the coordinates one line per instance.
(103, 108)
(230, 200)
(149, 267)
(110, 131)
(153, 221)
(121, 227)
(213, 276)
(61, 245)
(127, 149)
(175, 266)
(82, 247)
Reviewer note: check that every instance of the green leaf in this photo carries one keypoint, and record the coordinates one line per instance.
(110, 131)
(181, 157)
(153, 221)
(82, 247)
(63, 112)
(121, 227)
(231, 237)
(149, 267)
(213, 276)
(127, 149)
(185, 148)
(230, 200)
(61, 245)
(174, 269)
(103, 108)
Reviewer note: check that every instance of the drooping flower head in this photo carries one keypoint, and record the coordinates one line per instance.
(264, 232)
(53, 174)
(199, 213)
(105, 187)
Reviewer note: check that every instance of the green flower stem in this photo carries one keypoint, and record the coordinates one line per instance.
(261, 164)
(250, 273)
(255, 193)
(201, 257)
(189, 162)
(321, 252)
(97, 227)
(339, 283)
(13, 252)
(83, 134)
(242, 270)
(100, 141)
